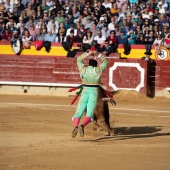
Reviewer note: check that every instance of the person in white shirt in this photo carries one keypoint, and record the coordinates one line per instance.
(71, 28)
(107, 4)
(158, 43)
(51, 22)
(99, 38)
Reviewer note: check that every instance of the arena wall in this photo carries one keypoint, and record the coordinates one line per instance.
(49, 75)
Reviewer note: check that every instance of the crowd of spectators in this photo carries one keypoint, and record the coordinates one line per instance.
(105, 22)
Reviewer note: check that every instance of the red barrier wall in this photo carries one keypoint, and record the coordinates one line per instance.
(124, 74)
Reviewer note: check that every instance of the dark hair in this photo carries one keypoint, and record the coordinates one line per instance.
(93, 63)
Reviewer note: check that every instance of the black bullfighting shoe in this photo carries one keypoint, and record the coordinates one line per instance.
(81, 130)
(74, 133)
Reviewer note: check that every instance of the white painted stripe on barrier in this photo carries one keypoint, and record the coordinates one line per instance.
(37, 84)
(56, 105)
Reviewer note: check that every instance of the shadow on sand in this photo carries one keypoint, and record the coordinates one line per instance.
(124, 133)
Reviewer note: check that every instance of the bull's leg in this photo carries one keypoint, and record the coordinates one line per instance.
(97, 125)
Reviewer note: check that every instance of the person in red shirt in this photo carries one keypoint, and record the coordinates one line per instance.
(6, 35)
(112, 38)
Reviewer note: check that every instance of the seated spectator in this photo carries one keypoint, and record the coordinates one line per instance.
(54, 29)
(16, 43)
(60, 37)
(72, 28)
(117, 30)
(122, 39)
(49, 36)
(46, 17)
(39, 11)
(32, 32)
(107, 49)
(140, 38)
(100, 38)
(66, 23)
(16, 12)
(93, 30)
(59, 18)
(114, 9)
(105, 31)
(24, 16)
(29, 11)
(81, 28)
(51, 22)
(158, 43)
(44, 6)
(131, 36)
(167, 41)
(161, 9)
(113, 41)
(26, 39)
(95, 46)
(62, 28)
(89, 23)
(71, 38)
(6, 35)
(100, 24)
(87, 40)
(39, 35)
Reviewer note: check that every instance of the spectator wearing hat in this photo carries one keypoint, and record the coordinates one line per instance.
(71, 38)
(59, 18)
(72, 27)
(88, 23)
(70, 18)
(66, 23)
(122, 23)
(161, 9)
(51, 22)
(6, 35)
(107, 49)
(147, 8)
(113, 41)
(105, 31)
(100, 24)
(164, 5)
(60, 37)
(29, 11)
(122, 39)
(44, 6)
(46, 17)
(131, 37)
(49, 36)
(100, 38)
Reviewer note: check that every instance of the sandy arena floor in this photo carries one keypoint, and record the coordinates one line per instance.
(35, 133)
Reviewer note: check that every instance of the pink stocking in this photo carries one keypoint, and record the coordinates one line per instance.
(86, 121)
(76, 121)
